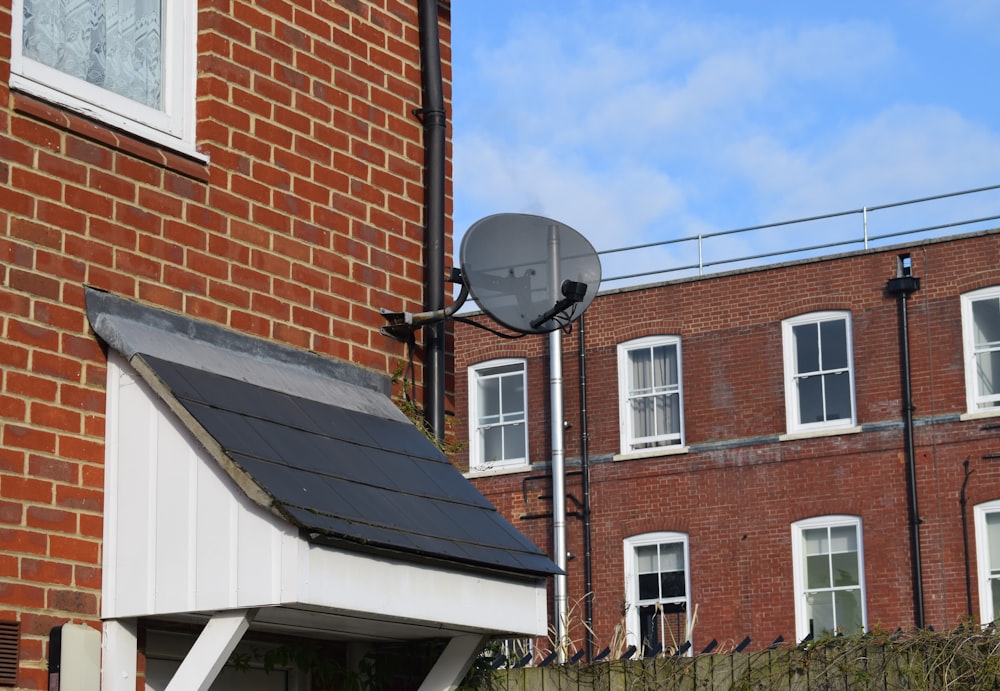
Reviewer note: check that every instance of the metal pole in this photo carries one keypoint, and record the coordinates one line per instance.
(588, 593)
(701, 265)
(558, 459)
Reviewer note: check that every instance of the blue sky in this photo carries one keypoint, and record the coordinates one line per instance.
(639, 121)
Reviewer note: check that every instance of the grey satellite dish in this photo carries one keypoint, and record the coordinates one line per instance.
(529, 273)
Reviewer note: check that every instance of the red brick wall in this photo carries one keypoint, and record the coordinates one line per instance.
(305, 221)
(737, 498)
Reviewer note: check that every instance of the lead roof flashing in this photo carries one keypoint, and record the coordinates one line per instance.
(131, 327)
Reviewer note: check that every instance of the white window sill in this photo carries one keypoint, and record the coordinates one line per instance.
(651, 453)
(980, 414)
(183, 145)
(499, 470)
(825, 432)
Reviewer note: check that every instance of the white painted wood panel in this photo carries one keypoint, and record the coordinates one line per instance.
(173, 465)
(185, 538)
(182, 537)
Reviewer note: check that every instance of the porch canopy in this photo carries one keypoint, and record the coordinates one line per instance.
(251, 485)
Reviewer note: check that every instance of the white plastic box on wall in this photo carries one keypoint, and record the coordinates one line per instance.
(74, 658)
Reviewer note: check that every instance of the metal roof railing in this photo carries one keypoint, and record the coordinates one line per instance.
(704, 240)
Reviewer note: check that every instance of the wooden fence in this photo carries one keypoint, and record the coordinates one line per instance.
(963, 659)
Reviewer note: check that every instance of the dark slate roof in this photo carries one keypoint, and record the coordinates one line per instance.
(316, 441)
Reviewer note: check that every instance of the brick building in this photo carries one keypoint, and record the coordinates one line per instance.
(203, 206)
(746, 447)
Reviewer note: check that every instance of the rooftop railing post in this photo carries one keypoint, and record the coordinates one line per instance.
(701, 266)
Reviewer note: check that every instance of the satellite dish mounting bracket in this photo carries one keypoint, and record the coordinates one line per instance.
(402, 325)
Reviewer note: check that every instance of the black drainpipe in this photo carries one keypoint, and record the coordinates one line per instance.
(588, 589)
(902, 286)
(965, 538)
(434, 119)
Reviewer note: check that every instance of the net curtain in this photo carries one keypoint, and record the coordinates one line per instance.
(651, 377)
(113, 44)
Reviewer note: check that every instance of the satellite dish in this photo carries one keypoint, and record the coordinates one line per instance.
(529, 273)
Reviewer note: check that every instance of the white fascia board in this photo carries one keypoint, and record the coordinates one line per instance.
(458, 600)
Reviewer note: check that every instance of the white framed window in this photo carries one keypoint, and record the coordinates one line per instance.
(981, 345)
(829, 576)
(987, 520)
(819, 371)
(649, 385)
(498, 406)
(657, 590)
(128, 63)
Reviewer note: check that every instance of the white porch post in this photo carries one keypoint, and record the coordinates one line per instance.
(455, 661)
(119, 646)
(210, 652)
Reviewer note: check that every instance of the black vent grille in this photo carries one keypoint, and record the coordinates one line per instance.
(10, 638)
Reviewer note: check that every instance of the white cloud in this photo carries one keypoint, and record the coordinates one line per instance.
(611, 208)
(633, 123)
(901, 152)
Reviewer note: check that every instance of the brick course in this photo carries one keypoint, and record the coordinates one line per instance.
(304, 221)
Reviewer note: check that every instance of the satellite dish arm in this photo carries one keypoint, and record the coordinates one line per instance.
(402, 324)
(573, 292)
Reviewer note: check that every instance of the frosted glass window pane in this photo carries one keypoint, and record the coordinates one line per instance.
(114, 44)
